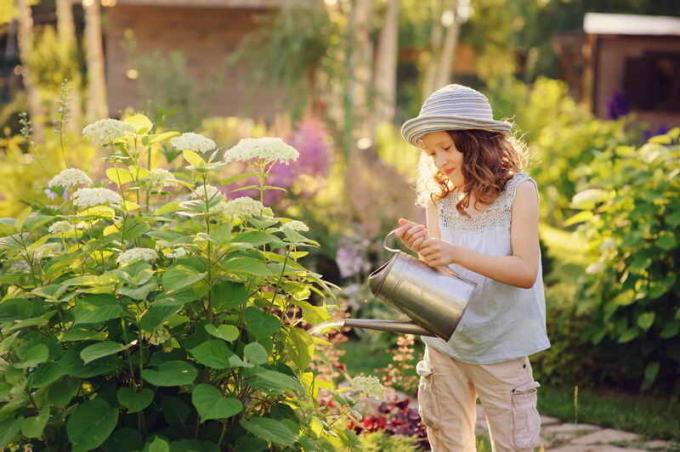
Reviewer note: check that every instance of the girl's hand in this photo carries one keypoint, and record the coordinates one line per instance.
(411, 234)
(437, 253)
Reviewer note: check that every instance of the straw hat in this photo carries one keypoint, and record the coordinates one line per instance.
(453, 107)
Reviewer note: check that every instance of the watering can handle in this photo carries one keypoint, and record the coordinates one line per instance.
(394, 250)
(443, 269)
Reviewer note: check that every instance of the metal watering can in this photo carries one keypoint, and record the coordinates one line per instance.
(434, 299)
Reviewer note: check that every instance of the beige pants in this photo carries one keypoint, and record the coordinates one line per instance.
(447, 395)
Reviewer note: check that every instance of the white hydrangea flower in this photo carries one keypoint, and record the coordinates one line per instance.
(162, 177)
(242, 207)
(60, 227)
(106, 131)
(296, 225)
(608, 244)
(177, 253)
(70, 177)
(370, 386)
(595, 268)
(193, 142)
(269, 149)
(136, 254)
(89, 197)
(199, 192)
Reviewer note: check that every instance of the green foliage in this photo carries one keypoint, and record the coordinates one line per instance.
(563, 139)
(288, 48)
(382, 442)
(630, 215)
(104, 345)
(23, 175)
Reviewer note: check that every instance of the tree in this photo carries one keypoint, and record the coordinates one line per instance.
(26, 39)
(448, 17)
(360, 60)
(97, 106)
(385, 80)
(67, 35)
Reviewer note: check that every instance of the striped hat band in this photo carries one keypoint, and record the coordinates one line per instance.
(453, 107)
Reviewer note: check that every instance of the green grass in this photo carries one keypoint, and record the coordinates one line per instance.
(654, 418)
(363, 359)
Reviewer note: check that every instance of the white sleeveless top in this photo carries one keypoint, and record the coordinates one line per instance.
(501, 322)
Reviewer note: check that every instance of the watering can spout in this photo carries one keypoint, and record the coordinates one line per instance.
(393, 326)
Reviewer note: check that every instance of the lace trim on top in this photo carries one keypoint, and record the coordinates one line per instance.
(496, 214)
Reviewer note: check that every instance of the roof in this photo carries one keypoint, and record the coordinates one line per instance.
(246, 4)
(630, 24)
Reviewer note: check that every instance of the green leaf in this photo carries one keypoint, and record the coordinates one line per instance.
(157, 314)
(175, 411)
(211, 404)
(158, 445)
(625, 298)
(119, 176)
(160, 137)
(247, 265)
(82, 334)
(37, 354)
(270, 430)
(46, 374)
(255, 238)
(212, 353)
(171, 373)
(141, 123)
(102, 349)
(60, 395)
(651, 372)
(578, 218)
(255, 353)
(90, 424)
(134, 401)
(33, 427)
(629, 335)
(170, 207)
(180, 276)
(227, 295)
(228, 333)
(9, 428)
(646, 320)
(587, 199)
(666, 241)
(193, 158)
(272, 379)
(261, 324)
(96, 309)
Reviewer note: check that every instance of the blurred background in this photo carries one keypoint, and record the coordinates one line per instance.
(593, 87)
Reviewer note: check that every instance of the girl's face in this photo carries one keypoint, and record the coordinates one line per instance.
(447, 158)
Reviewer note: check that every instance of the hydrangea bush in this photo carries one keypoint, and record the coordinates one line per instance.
(148, 311)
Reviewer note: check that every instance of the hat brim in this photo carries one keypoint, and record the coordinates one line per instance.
(416, 127)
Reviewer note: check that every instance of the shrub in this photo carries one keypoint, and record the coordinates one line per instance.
(630, 213)
(158, 314)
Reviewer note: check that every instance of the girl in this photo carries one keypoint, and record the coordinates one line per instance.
(482, 223)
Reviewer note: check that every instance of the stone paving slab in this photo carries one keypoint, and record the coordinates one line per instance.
(659, 445)
(597, 448)
(607, 436)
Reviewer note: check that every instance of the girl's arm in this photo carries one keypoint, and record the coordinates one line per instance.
(521, 268)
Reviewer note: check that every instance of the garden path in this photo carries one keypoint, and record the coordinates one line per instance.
(558, 436)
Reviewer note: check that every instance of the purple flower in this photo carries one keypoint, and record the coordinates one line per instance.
(649, 133)
(310, 139)
(617, 106)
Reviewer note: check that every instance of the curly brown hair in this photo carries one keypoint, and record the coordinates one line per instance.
(490, 160)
